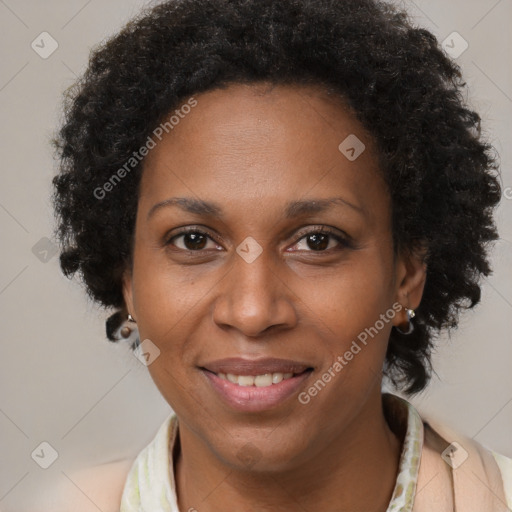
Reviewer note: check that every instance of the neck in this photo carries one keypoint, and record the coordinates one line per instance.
(357, 472)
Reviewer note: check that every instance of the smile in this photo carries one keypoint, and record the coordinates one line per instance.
(256, 393)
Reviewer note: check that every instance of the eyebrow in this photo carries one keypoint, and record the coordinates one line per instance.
(293, 208)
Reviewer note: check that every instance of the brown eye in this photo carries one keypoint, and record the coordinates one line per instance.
(318, 241)
(190, 240)
(194, 241)
(321, 240)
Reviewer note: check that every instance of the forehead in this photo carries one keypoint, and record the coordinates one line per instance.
(245, 142)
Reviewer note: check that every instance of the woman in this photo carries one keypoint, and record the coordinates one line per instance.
(284, 202)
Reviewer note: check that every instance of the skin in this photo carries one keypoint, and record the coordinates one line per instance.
(251, 149)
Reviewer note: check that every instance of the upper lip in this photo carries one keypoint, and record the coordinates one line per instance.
(242, 366)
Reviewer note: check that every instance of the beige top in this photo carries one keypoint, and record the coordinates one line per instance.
(438, 470)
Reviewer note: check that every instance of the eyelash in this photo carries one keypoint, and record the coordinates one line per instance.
(344, 241)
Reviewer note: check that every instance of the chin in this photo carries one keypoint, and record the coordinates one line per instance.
(259, 453)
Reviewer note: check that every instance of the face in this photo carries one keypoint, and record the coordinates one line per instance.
(262, 249)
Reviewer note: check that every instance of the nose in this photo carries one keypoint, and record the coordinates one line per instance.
(254, 299)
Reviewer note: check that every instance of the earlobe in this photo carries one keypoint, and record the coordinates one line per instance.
(412, 277)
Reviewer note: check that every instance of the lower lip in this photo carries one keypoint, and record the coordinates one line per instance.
(252, 398)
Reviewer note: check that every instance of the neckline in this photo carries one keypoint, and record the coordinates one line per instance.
(401, 416)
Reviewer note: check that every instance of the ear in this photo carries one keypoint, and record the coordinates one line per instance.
(411, 274)
(128, 291)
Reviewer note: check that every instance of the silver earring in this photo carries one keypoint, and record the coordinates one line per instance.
(131, 319)
(410, 326)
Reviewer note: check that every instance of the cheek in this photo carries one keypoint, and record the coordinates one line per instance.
(166, 296)
(352, 298)
(349, 308)
(167, 301)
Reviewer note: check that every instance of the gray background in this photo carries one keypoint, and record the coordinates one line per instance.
(62, 383)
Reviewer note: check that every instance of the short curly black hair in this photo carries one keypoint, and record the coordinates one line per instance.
(442, 175)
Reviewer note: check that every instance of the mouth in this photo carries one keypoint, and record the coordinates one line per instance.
(257, 385)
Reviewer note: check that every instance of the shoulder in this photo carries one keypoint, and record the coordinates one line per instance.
(505, 465)
(89, 489)
(473, 462)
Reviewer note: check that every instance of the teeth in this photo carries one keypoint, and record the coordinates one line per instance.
(260, 381)
(245, 380)
(277, 378)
